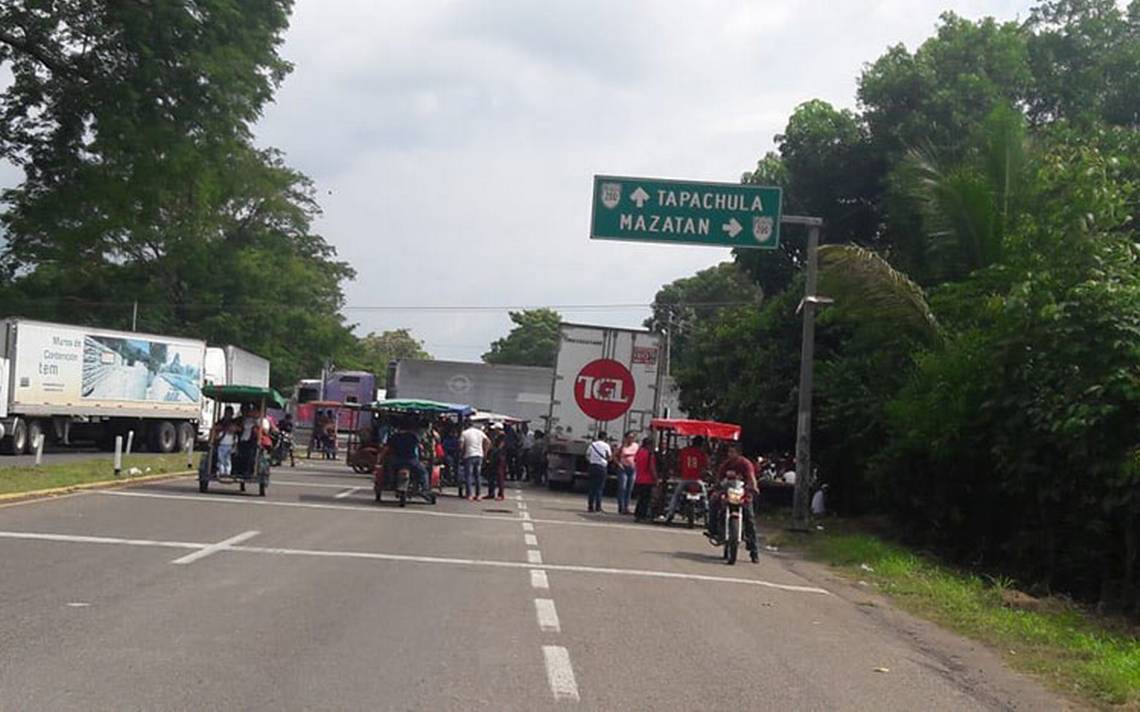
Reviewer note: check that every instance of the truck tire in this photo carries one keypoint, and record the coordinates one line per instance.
(187, 433)
(163, 437)
(35, 430)
(19, 438)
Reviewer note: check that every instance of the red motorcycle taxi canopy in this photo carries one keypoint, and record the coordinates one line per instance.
(692, 428)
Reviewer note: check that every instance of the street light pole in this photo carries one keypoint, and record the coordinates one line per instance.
(807, 356)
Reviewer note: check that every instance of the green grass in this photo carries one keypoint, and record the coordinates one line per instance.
(65, 474)
(1086, 656)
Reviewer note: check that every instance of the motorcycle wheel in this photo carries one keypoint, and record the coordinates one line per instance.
(261, 487)
(242, 486)
(379, 496)
(689, 516)
(733, 540)
(403, 499)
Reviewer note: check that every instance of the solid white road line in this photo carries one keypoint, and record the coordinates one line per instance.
(77, 539)
(37, 536)
(533, 556)
(308, 505)
(547, 616)
(528, 526)
(314, 485)
(531, 539)
(560, 673)
(347, 493)
(215, 548)
(538, 579)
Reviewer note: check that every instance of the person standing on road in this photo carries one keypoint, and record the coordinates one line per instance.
(473, 444)
(527, 447)
(512, 449)
(644, 478)
(224, 436)
(497, 463)
(537, 465)
(598, 456)
(626, 456)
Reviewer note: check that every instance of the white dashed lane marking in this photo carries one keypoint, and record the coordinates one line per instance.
(547, 615)
(531, 539)
(528, 526)
(347, 493)
(560, 673)
(533, 556)
(538, 579)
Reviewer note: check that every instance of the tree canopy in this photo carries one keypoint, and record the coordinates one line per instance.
(533, 341)
(980, 244)
(132, 125)
(376, 351)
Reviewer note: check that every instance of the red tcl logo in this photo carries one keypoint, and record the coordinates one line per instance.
(604, 389)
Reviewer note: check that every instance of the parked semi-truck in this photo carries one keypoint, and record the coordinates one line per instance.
(229, 366)
(72, 383)
(519, 391)
(605, 379)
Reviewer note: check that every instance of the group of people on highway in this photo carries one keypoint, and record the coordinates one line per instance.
(642, 472)
(497, 453)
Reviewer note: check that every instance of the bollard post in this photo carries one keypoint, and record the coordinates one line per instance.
(130, 440)
(118, 455)
(190, 454)
(39, 449)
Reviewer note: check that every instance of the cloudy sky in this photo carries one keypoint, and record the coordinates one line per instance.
(454, 142)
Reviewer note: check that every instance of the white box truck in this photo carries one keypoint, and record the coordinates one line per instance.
(74, 383)
(605, 379)
(229, 366)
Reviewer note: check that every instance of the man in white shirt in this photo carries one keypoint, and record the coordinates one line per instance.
(473, 446)
(598, 456)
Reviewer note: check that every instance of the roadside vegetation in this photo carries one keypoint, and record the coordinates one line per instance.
(69, 474)
(976, 377)
(1084, 655)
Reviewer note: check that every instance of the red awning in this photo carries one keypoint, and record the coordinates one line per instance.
(704, 428)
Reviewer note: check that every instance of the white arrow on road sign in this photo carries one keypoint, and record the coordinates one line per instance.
(732, 227)
(639, 196)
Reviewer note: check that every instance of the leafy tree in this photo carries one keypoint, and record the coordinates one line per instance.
(679, 307)
(533, 341)
(1085, 56)
(131, 122)
(376, 351)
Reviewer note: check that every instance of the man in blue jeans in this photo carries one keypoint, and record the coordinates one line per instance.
(473, 446)
(404, 451)
(598, 456)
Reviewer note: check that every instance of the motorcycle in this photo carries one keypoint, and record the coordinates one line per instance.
(402, 483)
(282, 448)
(733, 499)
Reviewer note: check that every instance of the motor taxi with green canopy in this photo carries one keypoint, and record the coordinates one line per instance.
(229, 457)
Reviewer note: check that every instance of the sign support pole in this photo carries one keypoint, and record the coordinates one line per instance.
(802, 493)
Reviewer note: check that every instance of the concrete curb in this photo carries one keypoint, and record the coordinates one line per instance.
(101, 484)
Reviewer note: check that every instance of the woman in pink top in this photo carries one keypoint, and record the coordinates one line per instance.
(645, 478)
(625, 456)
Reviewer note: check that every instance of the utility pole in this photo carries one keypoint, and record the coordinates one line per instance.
(807, 356)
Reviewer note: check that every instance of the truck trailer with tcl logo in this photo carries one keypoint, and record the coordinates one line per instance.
(606, 379)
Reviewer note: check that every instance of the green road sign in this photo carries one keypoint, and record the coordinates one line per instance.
(685, 213)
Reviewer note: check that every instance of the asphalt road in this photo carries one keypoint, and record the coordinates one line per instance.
(155, 597)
